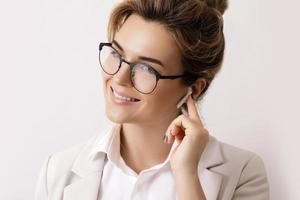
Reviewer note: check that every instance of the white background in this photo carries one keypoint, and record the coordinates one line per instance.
(51, 93)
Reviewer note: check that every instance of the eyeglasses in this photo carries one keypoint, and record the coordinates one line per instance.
(143, 77)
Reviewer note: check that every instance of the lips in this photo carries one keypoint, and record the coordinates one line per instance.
(124, 95)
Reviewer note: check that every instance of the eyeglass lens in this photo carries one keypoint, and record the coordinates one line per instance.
(142, 76)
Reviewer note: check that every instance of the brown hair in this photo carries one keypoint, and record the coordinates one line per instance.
(196, 26)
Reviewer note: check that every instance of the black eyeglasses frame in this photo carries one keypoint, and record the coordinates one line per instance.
(132, 65)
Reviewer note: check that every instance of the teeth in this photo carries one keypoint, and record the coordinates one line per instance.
(122, 97)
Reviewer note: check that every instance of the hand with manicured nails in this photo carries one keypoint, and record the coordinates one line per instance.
(192, 138)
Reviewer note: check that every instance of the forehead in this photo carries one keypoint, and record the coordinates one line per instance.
(139, 37)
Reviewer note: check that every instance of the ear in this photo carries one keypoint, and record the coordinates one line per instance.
(198, 87)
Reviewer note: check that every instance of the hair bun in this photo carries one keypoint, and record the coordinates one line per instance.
(220, 5)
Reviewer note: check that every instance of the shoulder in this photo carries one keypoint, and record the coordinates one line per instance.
(57, 165)
(243, 172)
(241, 158)
(61, 162)
(237, 154)
(218, 153)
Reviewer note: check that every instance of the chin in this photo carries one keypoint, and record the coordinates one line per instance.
(116, 120)
(117, 117)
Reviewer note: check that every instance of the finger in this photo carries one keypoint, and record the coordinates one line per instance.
(179, 135)
(174, 128)
(193, 110)
(172, 133)
(182, 122)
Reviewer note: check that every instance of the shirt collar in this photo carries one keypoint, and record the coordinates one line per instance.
(102, 144)
(110, 144)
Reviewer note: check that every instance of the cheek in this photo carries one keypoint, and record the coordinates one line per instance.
(105, 79)
(104, 76)
(168, 94)
(167, 90)
(164, 98)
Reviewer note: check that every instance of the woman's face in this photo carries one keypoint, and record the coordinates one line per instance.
(140, 38)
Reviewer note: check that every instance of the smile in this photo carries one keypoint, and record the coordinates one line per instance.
(118, 98)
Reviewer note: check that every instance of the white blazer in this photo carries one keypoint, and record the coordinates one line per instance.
(225, 172)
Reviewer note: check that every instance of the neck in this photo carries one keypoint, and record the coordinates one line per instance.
(142, 145)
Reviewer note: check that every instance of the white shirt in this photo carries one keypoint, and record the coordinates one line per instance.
(120, 182)
(225, 172)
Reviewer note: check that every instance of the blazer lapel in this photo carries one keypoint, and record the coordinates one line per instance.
(211, 157)
(87, 187)
(88, 174)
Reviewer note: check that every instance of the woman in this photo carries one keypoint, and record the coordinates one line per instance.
(157, 50)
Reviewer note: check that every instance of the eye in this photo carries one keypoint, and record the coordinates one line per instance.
(153, 69)
(114, 53)
(147, 67)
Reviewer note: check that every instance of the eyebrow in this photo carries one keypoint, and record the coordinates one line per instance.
(153, 60)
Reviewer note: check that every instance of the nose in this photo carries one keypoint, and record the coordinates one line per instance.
(122, 77)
